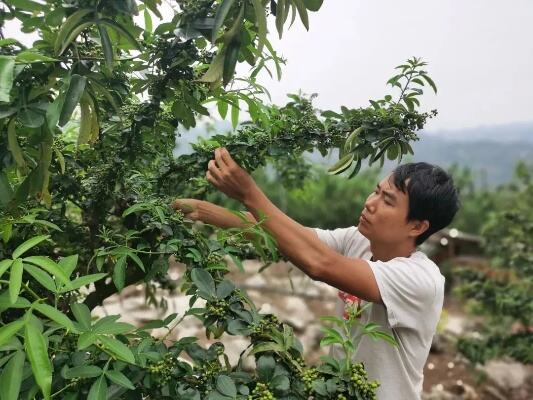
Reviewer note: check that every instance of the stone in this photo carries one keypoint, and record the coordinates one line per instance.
(506, 375)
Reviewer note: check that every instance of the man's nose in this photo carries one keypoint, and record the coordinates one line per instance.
(370, 206)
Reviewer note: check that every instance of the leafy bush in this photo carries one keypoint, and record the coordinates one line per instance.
(88, 116)
(503, 292)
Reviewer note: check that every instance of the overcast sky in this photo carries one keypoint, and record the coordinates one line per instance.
(480, 54)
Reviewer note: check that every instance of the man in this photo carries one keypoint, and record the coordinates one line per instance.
(377, 261)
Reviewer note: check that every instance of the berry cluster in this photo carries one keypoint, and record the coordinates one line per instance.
(162, 370)
(261, 392)
(217, 307)
(209, 370)
(268, 323)
(364, 387)
(309, 376)
(214, 258)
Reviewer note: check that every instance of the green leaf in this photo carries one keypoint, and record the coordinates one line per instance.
(68, 264)
(6, 191)
(71, 22)
(98, 389)
(266, 366)
(204, 281)
(430, 82)
(235, 114)
(11, 377)
(55, 315)
(4, 266)
(222, 108)
(86, 339)
(49, 266)
(280, 16)
(261, 20)
(224, 289)
(83, 371)
(113, 328)
(136, 258)
(220, 16)
(9, 330)
(136, 208)
(121, 31)
(147, 21)
(351, 141)
(72, 97)
(7, 65)
(230, 61)
(392, 151)
(13, 145)
(268, 346)
(119, 273)
(120, 379)
(313, 5)
(333, 333)
(28, 5)
(54, 109)
(73, 35)
(216, 69)
(5, 302)
(82, 281)
(31, 117)
(28, 57)
(342, 165)
(119, 349)
(82, 314)
(42, 277)
(28, 244)
(302, 11)
(109, 54)
(280, 382)
(15, 280)
(226, 386)
(37, 351)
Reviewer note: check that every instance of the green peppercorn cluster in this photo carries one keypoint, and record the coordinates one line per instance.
(308, 376)
(162, 370)
(365, 388)
(340, 396)
(214, 258)
(268, 323)
(261, 392)
(209, 370)
(217, 307)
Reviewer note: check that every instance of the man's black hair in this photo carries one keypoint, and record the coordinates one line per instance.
(432, 195)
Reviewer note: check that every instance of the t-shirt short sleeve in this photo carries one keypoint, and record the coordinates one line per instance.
(407, 289)
(335, 239)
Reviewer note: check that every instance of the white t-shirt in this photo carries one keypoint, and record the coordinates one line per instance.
(412, 289)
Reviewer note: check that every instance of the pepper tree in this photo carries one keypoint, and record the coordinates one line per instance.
(88, 120)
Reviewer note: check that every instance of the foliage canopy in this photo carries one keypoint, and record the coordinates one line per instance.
(88, 119)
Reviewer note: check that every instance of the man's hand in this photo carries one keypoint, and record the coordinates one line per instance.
(228, 177)
(189, 207)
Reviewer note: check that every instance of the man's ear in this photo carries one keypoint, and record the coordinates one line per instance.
(418, 227)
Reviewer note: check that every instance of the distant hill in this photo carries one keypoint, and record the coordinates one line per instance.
(513, 132)
(491, 152)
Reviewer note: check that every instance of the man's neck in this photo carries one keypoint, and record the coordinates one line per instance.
(386, 252)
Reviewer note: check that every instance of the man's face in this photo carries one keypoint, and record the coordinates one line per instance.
(384, 217)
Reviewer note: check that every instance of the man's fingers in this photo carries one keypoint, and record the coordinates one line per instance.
(211, 178)
(219, 160)
(213, 169)
(226, 157)
(183, 206)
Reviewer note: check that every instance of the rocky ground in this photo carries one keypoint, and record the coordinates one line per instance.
(283, 290)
